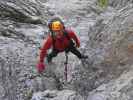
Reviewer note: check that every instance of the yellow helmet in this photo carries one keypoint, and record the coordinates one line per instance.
(56, 26)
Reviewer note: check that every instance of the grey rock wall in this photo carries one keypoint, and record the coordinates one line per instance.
(106, 37)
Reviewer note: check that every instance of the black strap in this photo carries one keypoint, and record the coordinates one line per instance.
(65, 63)
(66, 34)
(53, 40)
(66, 54)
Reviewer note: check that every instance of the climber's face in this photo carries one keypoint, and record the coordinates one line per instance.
(59, 33)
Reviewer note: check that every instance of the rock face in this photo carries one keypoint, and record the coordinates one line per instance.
(119, 3)
(12, 61)
(120, 88)
(57, 95)
(29, 11)
(18, 49)
(109, 47)
(106, 36)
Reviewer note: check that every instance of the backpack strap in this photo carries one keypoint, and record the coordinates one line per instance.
(53, 40)
(66, 34)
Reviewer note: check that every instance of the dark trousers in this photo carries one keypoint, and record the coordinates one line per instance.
(71, 48)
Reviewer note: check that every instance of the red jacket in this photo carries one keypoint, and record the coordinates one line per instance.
(60, 43)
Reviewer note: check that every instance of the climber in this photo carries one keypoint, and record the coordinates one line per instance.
(60, 39)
